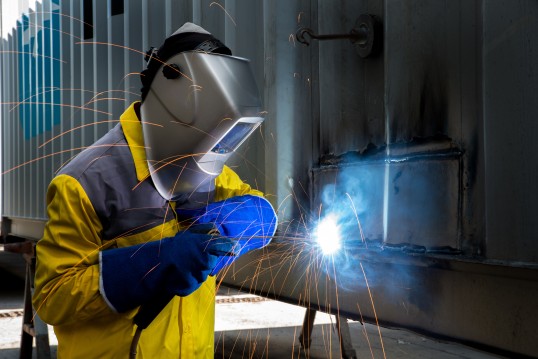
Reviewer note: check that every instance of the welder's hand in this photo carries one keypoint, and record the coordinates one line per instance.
(210, 241)
(198, 252)
(250, 220)
(172, 266)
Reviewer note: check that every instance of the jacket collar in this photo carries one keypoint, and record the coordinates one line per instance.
(132, 129)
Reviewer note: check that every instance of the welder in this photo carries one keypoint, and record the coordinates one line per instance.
(150, 212)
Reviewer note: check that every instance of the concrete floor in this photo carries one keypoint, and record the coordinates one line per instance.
(252, 327)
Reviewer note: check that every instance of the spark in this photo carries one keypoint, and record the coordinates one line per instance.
(56, 104)
(222, 7)
(87, 125)
(95, 100)
(130, 49)
(68, 275)
(163, 227)
(365, 332)
(302, 187)
(291, 39)
(196, 87)
(169, 206)
(55, 154)
(149, 271)
(65, 15)
(110, 98)
(171, 192)
(373, 307)
(357, 217)
(339, 318)
(64, 163)
(136, 229)
(261, 134)
(31, 53)
(130, 74)
(273, 137)
(46, 90)
(37, 26)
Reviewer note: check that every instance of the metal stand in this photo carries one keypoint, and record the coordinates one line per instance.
(308, 324)
(346, 348)
(32, 325)
(344, 336)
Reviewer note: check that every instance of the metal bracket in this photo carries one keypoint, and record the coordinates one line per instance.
(365, 36)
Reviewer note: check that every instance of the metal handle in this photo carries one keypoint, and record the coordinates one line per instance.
(354, 36)
(365, 35)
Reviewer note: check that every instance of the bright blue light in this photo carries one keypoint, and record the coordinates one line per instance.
(327, 235)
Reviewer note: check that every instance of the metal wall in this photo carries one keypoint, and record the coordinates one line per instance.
(510, 108)
(435, 136)
(426, 153)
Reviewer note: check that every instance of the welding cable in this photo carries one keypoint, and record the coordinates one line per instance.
(134, 343)
(145, 316)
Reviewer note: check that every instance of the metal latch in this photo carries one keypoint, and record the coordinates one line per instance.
(366, 36)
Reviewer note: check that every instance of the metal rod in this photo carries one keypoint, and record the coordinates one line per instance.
(355, 35)
(365, 36)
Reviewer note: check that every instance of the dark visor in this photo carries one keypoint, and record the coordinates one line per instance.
(234, 137)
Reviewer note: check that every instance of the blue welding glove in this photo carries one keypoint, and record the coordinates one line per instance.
(177, 265)
(250, 220)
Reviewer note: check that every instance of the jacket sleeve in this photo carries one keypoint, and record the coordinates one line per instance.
(67, 270)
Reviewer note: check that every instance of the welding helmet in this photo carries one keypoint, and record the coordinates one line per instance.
(199, 103)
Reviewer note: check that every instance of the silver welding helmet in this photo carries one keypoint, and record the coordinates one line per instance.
(199, 108)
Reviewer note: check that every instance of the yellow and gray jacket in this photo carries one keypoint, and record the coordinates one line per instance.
(104, 199)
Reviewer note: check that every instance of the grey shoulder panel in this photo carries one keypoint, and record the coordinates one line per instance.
(107, 173)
